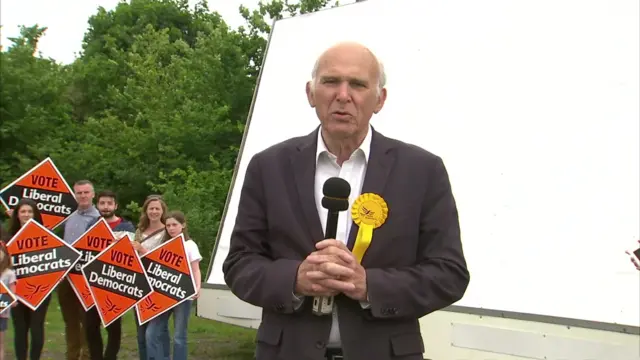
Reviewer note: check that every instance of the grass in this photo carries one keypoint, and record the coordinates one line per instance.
(207, 339)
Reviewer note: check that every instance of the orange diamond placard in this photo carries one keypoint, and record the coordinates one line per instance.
(169, 271)
(117, 280)
(90, 244)
(7, 298)
(45, 185)
(41, 260)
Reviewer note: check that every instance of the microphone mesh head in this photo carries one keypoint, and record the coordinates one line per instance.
(336, 187)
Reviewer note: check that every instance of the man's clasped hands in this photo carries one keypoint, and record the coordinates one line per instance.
(330, 270)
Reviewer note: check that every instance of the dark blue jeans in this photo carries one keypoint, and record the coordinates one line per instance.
(157, 338)
(157, 335)
(181, 315)
(142, 344)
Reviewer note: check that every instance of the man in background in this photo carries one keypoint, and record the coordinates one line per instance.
(73, 313)
(107, 205)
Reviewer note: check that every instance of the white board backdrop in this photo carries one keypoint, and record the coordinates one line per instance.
(534, 107)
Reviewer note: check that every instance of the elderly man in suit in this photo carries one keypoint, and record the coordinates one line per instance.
(278, 257)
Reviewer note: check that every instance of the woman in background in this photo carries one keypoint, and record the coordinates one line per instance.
(149, 234)
(158, 330)
(25, 320)
(8, 278)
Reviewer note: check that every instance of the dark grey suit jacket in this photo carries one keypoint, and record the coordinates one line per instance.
(415, 263)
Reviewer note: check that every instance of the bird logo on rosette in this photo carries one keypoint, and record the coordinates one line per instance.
(369, 212)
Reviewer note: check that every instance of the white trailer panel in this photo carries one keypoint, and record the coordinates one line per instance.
(534, 107)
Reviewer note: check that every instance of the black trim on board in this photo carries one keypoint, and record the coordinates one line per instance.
(554, 320)
(214, 286)
(246, 130)
(240, 151)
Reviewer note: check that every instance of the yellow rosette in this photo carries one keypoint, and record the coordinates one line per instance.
(369, 212)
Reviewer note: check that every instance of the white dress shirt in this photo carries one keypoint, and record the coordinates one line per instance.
(353, 171)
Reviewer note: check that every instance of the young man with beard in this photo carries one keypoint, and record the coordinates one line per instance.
(107, 204)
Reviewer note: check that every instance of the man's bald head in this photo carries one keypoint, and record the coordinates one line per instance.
(351, 47)
(346, 89)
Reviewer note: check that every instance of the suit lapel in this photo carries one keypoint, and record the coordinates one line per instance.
(304, 169)
(380, 162)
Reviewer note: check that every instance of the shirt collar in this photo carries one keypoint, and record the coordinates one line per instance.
(364, 148)
(88, 211)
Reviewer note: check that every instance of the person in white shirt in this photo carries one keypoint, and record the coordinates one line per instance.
(157, 334)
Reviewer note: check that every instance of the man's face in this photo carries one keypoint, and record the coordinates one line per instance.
(107, 207)
(345, 94)
(84, 195)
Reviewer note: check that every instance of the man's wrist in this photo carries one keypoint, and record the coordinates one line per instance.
(365, 289)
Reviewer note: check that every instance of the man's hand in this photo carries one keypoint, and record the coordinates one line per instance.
(308, 287)
(336, 268)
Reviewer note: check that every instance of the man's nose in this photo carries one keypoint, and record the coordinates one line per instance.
(344, 92)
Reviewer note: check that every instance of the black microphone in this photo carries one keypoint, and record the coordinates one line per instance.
(336, 198)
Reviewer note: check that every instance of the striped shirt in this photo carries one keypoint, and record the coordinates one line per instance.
(78, 222)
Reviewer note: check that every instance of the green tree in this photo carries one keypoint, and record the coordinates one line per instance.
(257, 29)
(33, 106)
(156, 102)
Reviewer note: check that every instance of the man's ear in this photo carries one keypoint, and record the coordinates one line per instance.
(381, 99)
(310, 95)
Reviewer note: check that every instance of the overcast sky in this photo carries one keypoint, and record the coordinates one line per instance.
(67, 20)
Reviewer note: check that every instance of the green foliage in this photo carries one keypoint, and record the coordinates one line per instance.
(33, 109)
(207, 339)
(155, 103)
(201, 195)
